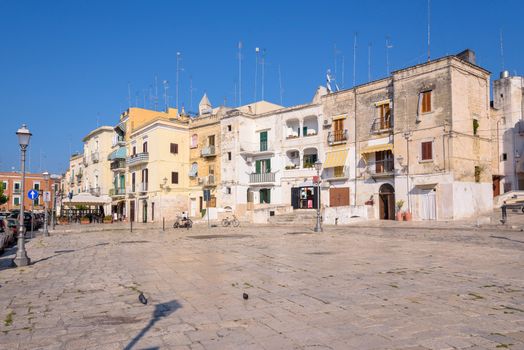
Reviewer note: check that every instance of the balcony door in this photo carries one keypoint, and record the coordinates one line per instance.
(263, 166)
(263, 140)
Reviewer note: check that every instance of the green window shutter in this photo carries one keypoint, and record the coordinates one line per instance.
(268, 165)
(268, 192)
(122, 181)
(258, 166)
(263, 136)
(304, 131)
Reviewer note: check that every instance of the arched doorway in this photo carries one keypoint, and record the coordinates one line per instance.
(387, 202)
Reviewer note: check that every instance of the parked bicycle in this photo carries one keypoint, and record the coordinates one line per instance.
(183, 222)
(230, 221)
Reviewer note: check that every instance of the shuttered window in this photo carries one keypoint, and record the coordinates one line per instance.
(144, 147)
(173, 148)
(174, 177)
(426, 102)
(427, 150)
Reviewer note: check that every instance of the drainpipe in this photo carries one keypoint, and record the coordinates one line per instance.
(356, 153)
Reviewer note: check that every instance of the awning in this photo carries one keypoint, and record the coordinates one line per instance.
(87, 199)
(377, 148)
(335, 158)
(118, 154)
(339, 117)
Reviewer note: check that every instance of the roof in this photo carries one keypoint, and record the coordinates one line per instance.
(97, 131)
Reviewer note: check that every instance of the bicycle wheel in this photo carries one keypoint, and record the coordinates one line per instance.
(236, 223)
(225, 222)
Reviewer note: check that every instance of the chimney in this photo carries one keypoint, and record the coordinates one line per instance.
(467, 55)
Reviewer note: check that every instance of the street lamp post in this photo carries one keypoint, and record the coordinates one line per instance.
(318, 167)
(21, 258)
(46, 179)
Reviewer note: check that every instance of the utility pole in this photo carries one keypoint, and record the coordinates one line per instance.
(240, 73)
(263, 70)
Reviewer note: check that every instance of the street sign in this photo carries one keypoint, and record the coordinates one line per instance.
(47, 196)
(32, 195)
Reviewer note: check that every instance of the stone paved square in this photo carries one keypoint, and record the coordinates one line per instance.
(346, 288)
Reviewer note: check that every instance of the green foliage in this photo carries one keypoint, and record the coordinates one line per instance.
(400, 204)
(203, 212)
(3, 197)
(81, 206)
(475, 126)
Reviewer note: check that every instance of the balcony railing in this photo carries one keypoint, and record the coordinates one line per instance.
(337, 136)
(138, 158)
(117, 191)
(381, 125)
(263, 146)
(95, 191)
(261, 178)
(95, 157)
(118, 164)
(382, 167)
(208, 151)
(17, 191)
(84, 161)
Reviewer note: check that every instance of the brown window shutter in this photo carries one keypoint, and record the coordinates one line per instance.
(174, 177)
(176, 148)
(430, 150)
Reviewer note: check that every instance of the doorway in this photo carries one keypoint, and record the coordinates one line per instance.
(428, 204)
(144, 211)
(387, 202)
(193, 207)
(496, 185)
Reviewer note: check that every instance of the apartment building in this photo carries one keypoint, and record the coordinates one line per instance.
(508, 134)
(72, 181)
(205, 156)
(421, 136)
(250, 151)
(11, 183)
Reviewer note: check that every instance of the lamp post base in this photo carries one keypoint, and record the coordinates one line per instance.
(318, 229)
(21, 261)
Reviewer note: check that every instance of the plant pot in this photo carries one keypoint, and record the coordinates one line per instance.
(399, 216)
(407, 216)
(84, 222)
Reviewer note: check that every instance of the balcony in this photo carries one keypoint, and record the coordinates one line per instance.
(208, 151)
(85, 161)
(337, 137)
(381, 125)
(256, 148)
(255, 178)
(113, 192)
(137, 159)
(385, 167)
(118, 165)
(18, 191)
(95, 157)
(95, 191)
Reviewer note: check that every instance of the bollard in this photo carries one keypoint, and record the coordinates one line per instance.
(131, 222)
(163, 224)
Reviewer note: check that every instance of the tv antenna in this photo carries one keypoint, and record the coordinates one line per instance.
(281, 90)
(355, 59)
(263, 63)
(429, 30)
(240, 73)
(166, 96)
(178, 58)
(388, 46)
(502, 50)
(156, 93)
(330, 79)
(129, 94)
(257, 52)
(369, 62)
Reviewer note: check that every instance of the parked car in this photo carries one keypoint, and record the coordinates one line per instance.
(27, 220)
(7, 232)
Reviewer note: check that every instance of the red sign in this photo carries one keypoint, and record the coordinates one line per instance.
(316, 179)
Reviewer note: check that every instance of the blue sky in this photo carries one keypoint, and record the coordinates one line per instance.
(65, 65)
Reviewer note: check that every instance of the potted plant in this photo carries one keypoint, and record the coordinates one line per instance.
(407, 215)
(84, 220)
(399, 204)
(108, 219)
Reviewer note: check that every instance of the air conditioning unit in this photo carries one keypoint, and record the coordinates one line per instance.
(200, 180)
(327, 122)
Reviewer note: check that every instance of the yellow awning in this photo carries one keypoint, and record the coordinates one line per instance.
(339, 117)
(377, 148)
(335, 158)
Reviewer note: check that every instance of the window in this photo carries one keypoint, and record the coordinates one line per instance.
(211, 140)
(338, 130)
(194, 141)
(16, 187)
(263, 141)
(384, 115)
(263, 166)
(384, 161)
(174, 177)
(229, 127)
(16, 200)
(425, 99)
(36, 186)
(228, 190)
(4, 185)
(338, 171)
(211, 169)
(477, 173)
(475, 126)
(309, 160)
(265, 195)
(133, 182)
(228, 155)
(144, 147)
(504, 157)
(427, 150)
(134, 150)
(173, 148)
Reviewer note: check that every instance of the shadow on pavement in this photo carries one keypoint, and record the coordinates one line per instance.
(161, 311)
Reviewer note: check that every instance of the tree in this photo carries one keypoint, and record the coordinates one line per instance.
(3, 198)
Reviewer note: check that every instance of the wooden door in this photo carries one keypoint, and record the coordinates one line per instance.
(339, 197)
(496, 186)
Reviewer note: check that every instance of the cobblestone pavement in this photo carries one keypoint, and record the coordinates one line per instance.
(347, 288)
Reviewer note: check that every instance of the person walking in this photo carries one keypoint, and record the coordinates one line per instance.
(504, 213)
